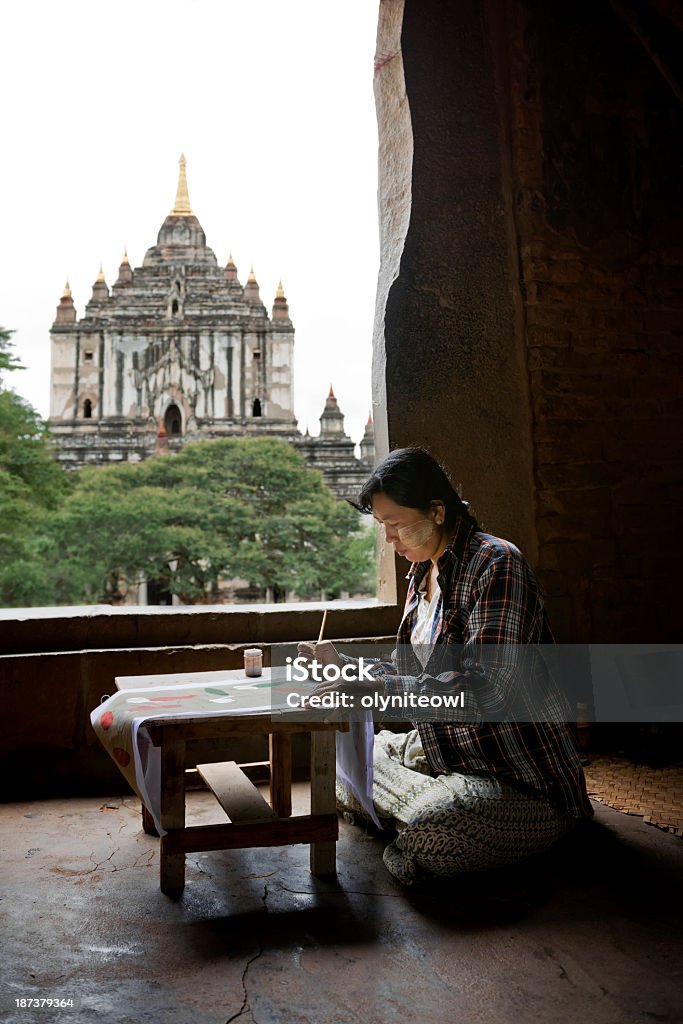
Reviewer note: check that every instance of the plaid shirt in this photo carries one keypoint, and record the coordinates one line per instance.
(489, 597)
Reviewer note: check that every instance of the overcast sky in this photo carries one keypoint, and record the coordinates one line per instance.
(271, 102)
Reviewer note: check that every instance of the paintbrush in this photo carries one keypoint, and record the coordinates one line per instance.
(322, 626)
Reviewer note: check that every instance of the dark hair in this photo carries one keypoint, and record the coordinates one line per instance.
(412, 477)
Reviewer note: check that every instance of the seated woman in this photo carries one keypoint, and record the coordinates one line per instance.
(480, 786)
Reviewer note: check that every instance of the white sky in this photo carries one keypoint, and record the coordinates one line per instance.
(272, 104)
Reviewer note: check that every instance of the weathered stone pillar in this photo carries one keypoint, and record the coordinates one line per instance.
(449, 367)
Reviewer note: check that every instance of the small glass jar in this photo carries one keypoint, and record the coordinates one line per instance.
(253, 661)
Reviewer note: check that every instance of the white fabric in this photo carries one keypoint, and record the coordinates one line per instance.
(423, 630)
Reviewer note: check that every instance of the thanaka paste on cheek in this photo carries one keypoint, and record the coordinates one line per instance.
(417, 534)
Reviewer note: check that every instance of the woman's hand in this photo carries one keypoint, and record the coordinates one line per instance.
(325, 653)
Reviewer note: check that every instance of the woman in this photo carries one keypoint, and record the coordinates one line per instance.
(486, 785)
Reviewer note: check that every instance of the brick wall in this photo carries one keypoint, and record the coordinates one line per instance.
(596, 138)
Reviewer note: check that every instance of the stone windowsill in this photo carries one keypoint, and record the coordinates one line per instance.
(78, 628)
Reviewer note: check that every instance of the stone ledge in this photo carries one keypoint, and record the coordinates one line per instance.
(60, 629)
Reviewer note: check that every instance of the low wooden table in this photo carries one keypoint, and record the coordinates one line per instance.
(253, 822)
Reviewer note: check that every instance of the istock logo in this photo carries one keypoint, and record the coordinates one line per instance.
(300, 669)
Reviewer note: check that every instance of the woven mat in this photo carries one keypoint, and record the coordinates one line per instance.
(655, 794)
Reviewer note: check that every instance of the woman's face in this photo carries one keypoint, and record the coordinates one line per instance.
(414, 536)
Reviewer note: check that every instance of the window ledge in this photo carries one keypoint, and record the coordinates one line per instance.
(77, 628)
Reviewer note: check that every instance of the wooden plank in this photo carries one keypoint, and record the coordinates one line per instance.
(323, 856)
(239, 798)
(148, 825)
(172, 867)
(307, 828)
(205, 727)
(280, 747)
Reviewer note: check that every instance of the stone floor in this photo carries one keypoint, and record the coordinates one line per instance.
(589, 934)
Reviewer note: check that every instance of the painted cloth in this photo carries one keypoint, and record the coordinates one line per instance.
(355, 768)
(450, 823)
(120, 724)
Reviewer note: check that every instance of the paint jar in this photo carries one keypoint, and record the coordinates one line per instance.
(253, 661)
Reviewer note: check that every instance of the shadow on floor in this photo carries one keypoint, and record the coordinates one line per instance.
(594, 860)
(591, 931)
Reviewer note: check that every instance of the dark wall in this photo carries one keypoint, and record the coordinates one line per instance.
(598, 193)
(533, 335)
(455, 361)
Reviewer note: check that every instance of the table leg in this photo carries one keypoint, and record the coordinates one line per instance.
(172, 815)
(280, 753)
(323, 773)
(148, 825)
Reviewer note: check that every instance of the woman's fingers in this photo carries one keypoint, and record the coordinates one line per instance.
(306, 648)
(326, 653)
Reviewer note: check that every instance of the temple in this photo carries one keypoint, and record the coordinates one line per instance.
(178, 350)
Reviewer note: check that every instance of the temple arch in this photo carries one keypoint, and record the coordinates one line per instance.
(173, 420)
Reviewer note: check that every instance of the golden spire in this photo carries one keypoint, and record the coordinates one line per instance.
(100, 276)
(181, 207)
(67, 290)
(125, 256)
(252, 277)
(280, 291)
(231, 262)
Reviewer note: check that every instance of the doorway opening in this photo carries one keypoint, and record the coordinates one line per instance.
(173, 421)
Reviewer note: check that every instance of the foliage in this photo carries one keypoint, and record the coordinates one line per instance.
(243, 508)
(23, 580)
(31, 484)
(8, 361)
(246, 508)
(25, 453)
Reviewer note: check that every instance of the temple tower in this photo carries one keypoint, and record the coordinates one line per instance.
(177, 342)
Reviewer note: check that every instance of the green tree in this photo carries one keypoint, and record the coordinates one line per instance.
(8, 360)
(246, 508)
(25, 451)
(31, 484)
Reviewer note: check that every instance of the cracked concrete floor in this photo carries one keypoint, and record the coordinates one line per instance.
(591, 932)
